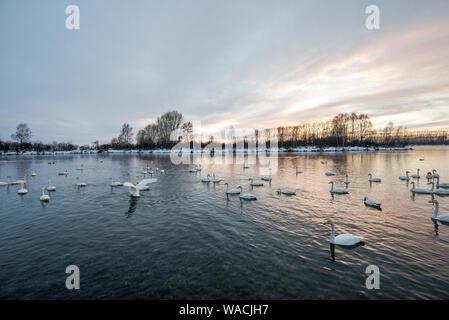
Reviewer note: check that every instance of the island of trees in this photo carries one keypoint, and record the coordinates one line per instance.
(344, 130)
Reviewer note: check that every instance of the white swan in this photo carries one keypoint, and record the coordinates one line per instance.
(63, 173)
(134, 190)
(247, 196)
(255, 183)
(207, 179)
(22, 190)
(347, 180)
(406, 177)
(7, 183)
(216, 180)
(298, 171)
(442, 185)
(440, 192)
(267, 178)
(80, 184)
(420, 190)
(434, 173)
(442, 217)
(323, 161)
(44, 197)
(371, 203)
(115, 184)
(24, 181)
(371, 179)
(287, 192)
(237, 190)
(50, 187)
(198, 168)
(337, 190)
(416, 175)
(329, 173)
(33, 174)
(345, 240)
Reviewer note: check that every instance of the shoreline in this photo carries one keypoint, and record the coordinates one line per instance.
(239, 151)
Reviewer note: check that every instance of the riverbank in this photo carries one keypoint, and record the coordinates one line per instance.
(168, 151)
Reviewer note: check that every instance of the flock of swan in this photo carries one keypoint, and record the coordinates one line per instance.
(433, 178)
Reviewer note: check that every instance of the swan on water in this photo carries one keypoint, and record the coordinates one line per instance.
(337, 190)
(22, 190)
(247, 196)
(207, 179)
(371, 203)
(216, 180)
(441, 192)
(435, 174)
(416, 175)
(442, 185)
(371, 179)
(346, 239)
(245, 166)
(115, 184)
(7, 183)
(323, 161)
(267, 178)
(406, 177)
(255, 183)
(329, 173)
(298, 171)
(134, 190)
(33, 174)
(287, 192)
(44, 197)
(237, 190)
(24, 181)
(50, 187)
(80, 184)
(63, 173)
(442, 217)
(420, 190)
(346, 181)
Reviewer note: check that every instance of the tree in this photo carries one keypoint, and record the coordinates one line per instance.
(126, 135)
(23, 133)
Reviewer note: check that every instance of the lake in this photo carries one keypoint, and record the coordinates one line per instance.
(184, 239)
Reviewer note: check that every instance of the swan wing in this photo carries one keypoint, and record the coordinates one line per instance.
(443, 217)
(145, 182)
(347, 239)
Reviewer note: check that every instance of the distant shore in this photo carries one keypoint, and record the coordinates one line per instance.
(309, 149)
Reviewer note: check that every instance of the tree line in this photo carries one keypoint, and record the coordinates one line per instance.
(343, 130)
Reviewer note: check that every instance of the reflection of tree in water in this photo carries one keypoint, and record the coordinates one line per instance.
(132, 206)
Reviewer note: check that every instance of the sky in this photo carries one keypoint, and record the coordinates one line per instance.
(249, 64)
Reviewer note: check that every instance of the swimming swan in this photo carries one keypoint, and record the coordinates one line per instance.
(371, 203)
(50, 187)
(346, 181)
(345, 240)
(255, 183)
(442, 217)
(416, 175)
(22, 190)
(371, 179)
(442, 185)
(44, 197)
(420, 190)
(286, 192)
(406, 177)
(237, 190)
(337, 190)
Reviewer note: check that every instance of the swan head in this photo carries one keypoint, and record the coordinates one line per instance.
(407, 171)
(418, 170)
(240, 187)
(369, 174)
(250, 179)
(366, 198)
(413, 184)
(329, 222)
(225, 183)
(331, 182)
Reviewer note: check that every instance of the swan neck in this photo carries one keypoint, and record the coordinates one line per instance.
(332, 238)
(435, 212)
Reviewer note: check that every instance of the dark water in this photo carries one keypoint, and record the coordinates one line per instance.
(184, 240)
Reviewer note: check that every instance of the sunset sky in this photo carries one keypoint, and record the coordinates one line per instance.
(251, 63)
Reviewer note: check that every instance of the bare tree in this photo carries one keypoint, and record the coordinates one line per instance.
(126, 135)
(23, 133)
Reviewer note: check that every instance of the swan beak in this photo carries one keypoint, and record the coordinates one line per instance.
(327, 222)
(431, 201)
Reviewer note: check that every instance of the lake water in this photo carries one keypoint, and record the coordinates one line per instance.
(184, 239)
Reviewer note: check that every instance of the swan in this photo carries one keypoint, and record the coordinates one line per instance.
(33, 174)
(286, 192)
(347, 180)
(429, 175)
(50, 187)
(24, 181)
(420, 190)
(442, 217)
(63, 173)
(323, 161)
(255, 183)
(134, 190)
(7, 183)
(371, 203)
(329, 173)
(44, 197)
(207, 179)
(198, 168)
(80, 184)
(441, 192)
(193, 170)
(267, 178)
(115, 184)
(298, 171)
(434, 173)
(22, 190)
(216, 180)
(406, 177)
(245, 166)
(441, 185)
(337, 190)
(234, 190)
(346, 240)
(247, 196)
(371, 179)
(416, 175)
